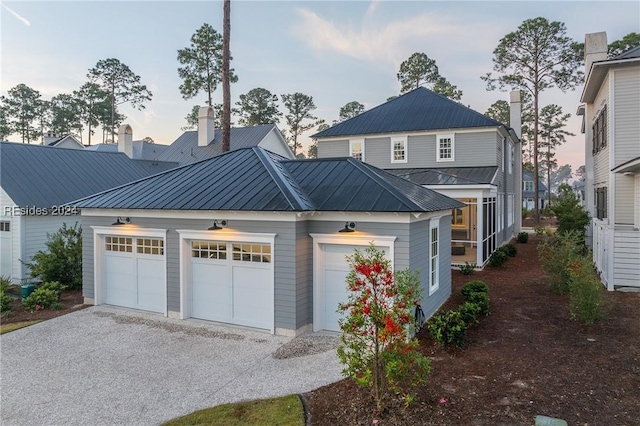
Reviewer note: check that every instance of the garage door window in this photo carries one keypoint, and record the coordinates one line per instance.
(209, 250)
(122, 244)
(252, 252)
(150, 246)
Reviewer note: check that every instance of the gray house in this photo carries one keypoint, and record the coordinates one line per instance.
(529, 193)
(442, 145)
(255, 239)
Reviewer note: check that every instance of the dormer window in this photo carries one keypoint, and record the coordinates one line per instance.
(356, 149)
(445, 148)
(528, 185)
(399, 150)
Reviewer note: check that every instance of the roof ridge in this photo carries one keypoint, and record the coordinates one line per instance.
(289, 194)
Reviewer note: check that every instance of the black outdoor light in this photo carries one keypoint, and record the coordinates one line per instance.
(348, 227)
(121, 221)
(217, 225)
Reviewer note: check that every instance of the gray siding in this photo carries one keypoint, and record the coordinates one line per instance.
(327, 149)
(624, 199)
(304, 275)
(473, 149)
(284, 253)
(626, 113)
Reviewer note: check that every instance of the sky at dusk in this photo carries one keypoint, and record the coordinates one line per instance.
(334, 51)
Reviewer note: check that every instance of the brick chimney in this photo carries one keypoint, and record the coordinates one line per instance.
(515, 112)
(206, 126)
(515, 122)
(125, 140)
(595, 49)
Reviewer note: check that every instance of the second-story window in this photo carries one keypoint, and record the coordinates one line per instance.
(356, 149)
(528, 185)
(399, 150)
(445, 148)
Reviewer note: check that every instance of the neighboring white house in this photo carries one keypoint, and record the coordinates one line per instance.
(67, 141)
(442, 145)
(611, 123)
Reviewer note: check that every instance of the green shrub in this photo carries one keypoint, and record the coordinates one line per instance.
(539, 230)
(5, 282)
(6, 303)
(586, 293)
(498, 258)
(41, 298)
(470, 312)
(448, 328)
(571, 216)
(475, 286)
(509, 249)
(480, 299)
(55, 286)
(556, 253)
(523, 237)
(62, 260)
(468, 268)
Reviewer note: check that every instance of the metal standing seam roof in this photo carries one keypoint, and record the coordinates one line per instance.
(253, 179)
(419, 109)
(185, 149)
(44, 176)
(629, 54)
(448, 176)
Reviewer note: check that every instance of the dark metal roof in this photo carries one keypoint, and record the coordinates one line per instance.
(629, 54)
(185, 149)
(44, 176)
(419, 109)
(141, 150)
(347, 184)
(253, 179)
(448, 176)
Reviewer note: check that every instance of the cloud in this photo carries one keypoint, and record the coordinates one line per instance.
(391, 42)
(18, 17)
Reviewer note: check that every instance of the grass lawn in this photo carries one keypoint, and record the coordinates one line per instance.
(6, 328)
(286, 410)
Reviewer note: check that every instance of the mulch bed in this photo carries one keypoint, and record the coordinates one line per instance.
(72, 300)
(526, 358)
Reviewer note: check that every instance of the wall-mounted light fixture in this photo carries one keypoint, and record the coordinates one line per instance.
(121, 221)
(348, 227)
(217, 225)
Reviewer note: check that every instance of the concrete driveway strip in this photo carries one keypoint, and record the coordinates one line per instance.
(107, 366)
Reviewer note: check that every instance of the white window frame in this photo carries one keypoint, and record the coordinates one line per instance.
(353, 142)
(528, 186)
(453, 144)
(403, 140)
(434, 276)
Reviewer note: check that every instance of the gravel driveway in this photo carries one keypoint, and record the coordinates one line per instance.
(109, 366)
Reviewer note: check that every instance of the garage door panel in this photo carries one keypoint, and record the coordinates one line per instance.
(120, 281)
(151, 284)
(251, 294)
(210, 291)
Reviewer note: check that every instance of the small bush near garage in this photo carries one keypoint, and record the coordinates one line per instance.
(523, 237)
(62, 260)
(498, 258)
(448, 328)
(42, 298)
(54, 286)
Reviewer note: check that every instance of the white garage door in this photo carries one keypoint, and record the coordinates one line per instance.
(232, 282)
(134, 273)
(332, 286)
(5, 249)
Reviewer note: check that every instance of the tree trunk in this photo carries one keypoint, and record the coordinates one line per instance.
(113, 114)
(536, 186)
(226, 89)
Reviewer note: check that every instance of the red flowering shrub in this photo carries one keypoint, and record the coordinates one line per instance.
(378, 348)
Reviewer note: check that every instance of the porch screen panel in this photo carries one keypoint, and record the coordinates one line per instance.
(489, 236)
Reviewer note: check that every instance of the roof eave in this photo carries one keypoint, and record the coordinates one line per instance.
(597, 74)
